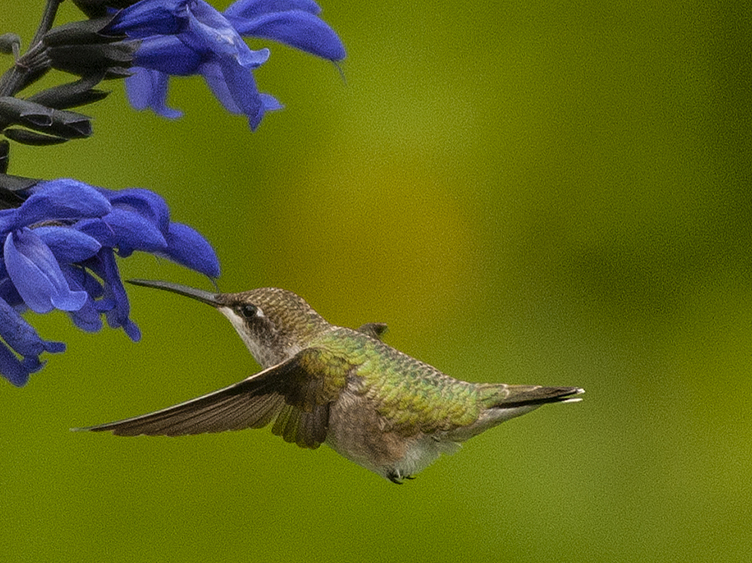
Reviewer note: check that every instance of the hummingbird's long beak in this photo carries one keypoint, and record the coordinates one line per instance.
(197, 294)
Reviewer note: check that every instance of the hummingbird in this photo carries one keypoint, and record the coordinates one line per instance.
(325, 384)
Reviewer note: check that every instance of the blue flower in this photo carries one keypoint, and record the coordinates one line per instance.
(58, 252)
(21, 337)
(292, 22)
(187, 37)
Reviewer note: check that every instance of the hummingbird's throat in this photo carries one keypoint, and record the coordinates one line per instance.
(262, 349)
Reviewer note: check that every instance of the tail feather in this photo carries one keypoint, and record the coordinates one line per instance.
(504, 402)
(513, 396)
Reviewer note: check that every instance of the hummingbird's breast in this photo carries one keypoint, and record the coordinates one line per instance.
(359, 433)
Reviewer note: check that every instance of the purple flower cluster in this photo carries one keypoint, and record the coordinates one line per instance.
(188, 37)
(58, 252)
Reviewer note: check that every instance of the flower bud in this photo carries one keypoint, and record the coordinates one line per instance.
(73, 94)
(94, 8)
(10, 44)
(113, 59)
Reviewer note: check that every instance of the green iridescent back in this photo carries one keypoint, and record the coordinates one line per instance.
(412, 396)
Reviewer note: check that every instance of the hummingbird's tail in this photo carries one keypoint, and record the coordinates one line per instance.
(516, 396)
(503, 402)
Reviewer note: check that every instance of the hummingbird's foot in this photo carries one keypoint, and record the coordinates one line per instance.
(396, 478)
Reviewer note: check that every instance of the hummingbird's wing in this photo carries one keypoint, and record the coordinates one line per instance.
(374, 330)
(295, 393)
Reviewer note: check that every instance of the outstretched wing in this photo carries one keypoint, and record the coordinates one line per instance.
(374, 330)
(296, 394)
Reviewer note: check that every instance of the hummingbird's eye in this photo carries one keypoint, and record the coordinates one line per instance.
(247, 310)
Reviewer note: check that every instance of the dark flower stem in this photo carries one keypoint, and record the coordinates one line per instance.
(48, 18)
(31, 65)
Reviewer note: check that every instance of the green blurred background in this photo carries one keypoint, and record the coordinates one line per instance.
(526, 192)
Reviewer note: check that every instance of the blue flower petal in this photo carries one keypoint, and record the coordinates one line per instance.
(210, 33)
(87, 317)
(98, 230)
(37, 276)
(147, 89)
(125, 230)
(253, 8)
(187, 247)
(9, 293)
(167, 54)
(119, 315)
(157, 57)
(12, 368)
(7, 219)
(21, 336)
(298, 29)
(32, 364)
(146, 203)
(234, 87)
(270, 103)
(60, 200)
(90, 284)
(68, 245)
(134, 232)
(149, 17)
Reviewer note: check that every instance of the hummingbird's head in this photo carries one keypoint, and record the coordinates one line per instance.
(274, 324)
